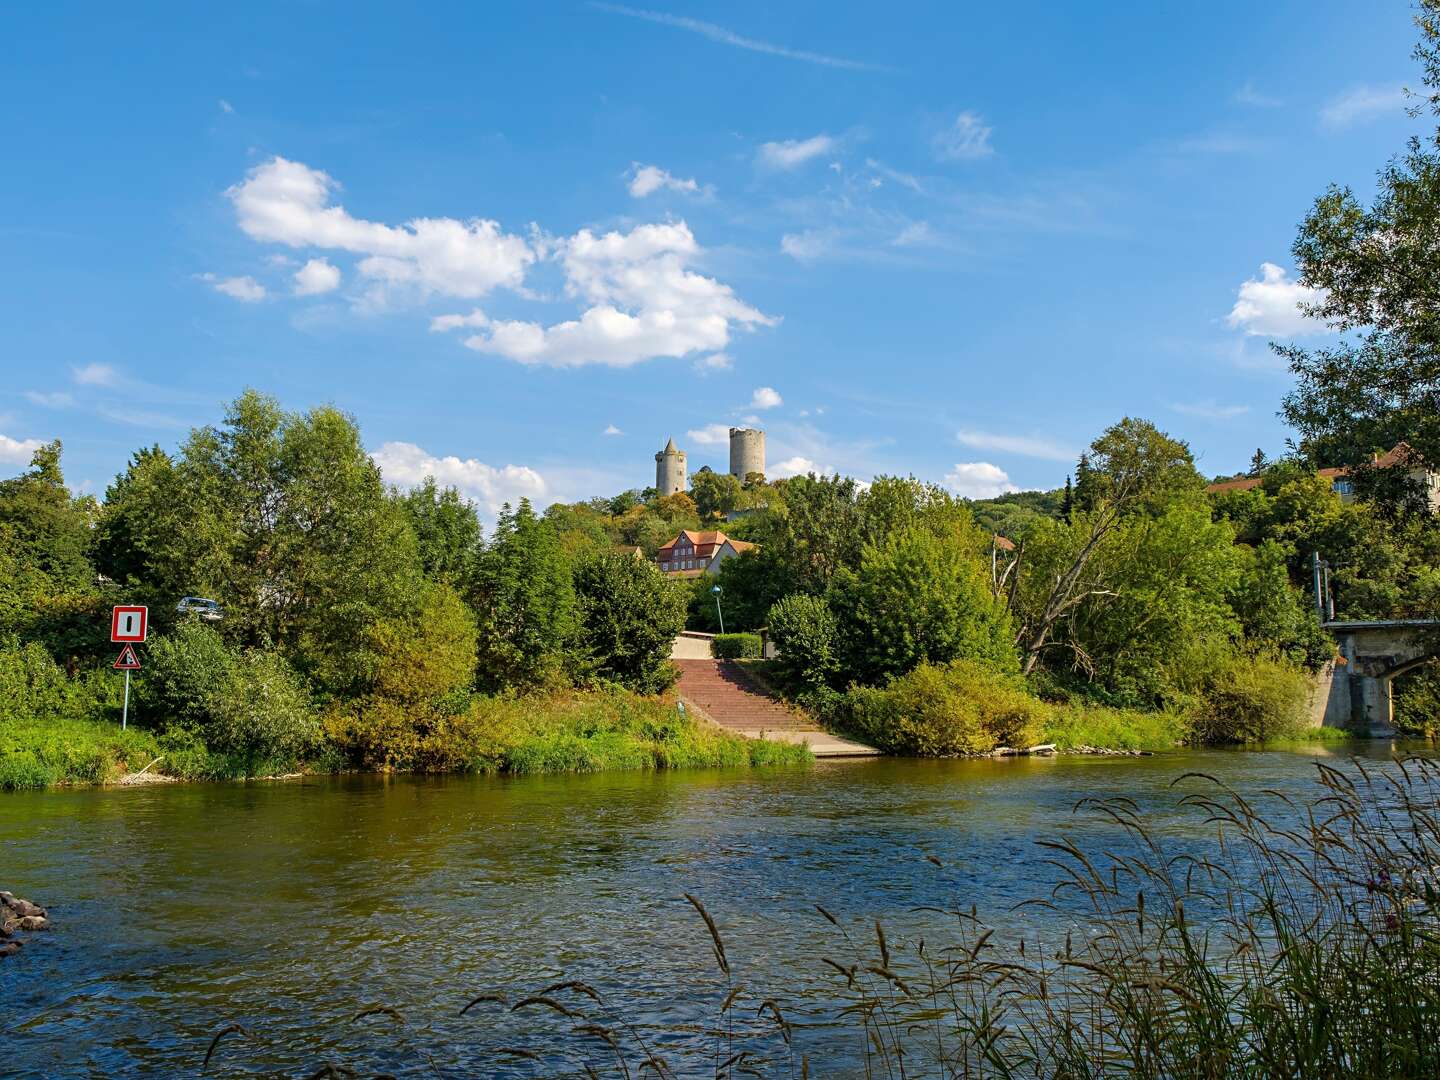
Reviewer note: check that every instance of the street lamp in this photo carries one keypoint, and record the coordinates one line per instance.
(716, 591)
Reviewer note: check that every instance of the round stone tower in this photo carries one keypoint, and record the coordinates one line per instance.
(747, 452)
(670, 470)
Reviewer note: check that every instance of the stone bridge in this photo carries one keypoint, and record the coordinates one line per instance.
(1354, 691)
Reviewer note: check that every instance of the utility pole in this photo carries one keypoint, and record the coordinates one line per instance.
(1319, 595)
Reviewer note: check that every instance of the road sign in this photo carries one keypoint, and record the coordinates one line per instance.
(127, 660)
(129, 623)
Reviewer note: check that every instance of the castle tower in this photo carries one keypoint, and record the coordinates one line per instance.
(670, 470)
(747, 452)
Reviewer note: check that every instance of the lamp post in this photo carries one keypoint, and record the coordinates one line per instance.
(716, 591)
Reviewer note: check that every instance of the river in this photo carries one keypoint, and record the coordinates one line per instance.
(289, 907)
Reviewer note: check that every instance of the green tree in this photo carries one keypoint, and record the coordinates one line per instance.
(447, 531)
(524, 599)
(806, 632)
(630, 614)
(715, 493)
(916, 597)
(1377, 269)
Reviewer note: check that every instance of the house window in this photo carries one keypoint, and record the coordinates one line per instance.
(1343, 487)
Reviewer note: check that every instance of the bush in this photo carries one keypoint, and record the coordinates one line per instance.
(1078, 724)
(804, 631)
(1252, 699)
(252, 707)
(736, 646)
(944, 710)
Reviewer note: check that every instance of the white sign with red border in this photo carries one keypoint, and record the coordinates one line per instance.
(129, 623)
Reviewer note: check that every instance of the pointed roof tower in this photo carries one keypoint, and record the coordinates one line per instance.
(670, 447)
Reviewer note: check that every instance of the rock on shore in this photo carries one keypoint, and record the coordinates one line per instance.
(18, 916)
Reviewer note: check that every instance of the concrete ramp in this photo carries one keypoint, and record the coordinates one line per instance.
(724, 693)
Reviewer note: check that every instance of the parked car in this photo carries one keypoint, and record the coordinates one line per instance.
(201, 607)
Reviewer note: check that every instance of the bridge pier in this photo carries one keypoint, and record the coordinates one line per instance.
(1355, 692)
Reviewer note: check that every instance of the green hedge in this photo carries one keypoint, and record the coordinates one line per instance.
(736, 646)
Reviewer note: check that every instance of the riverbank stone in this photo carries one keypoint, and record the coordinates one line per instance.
(17, 915)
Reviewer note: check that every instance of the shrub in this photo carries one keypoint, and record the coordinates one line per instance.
(804, 631)
(1252, 699)
(736, 646)
(252, 707)
(1082, 724)
(942, 710)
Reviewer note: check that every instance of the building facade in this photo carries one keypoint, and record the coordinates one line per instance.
(693, 553)
(747, 452)
(670, 470)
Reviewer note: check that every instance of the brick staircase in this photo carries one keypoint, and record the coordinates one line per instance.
(724, 692)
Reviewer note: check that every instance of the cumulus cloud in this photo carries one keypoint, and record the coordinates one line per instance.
(978, 480)
(714, 362)
(766, 397)
(17, 451)
(406, 465)
(1269, 305)
(1360, 104)
(797, 466)
(1034, 446)
(611, 429)
(710, 435)
(648, 179)
(95, 375)
(239, 288)
(287, 202)
(315, 277)
(792, 153)
(644, 302)
(967, 138)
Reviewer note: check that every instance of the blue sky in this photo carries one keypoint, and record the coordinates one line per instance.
(525, 244)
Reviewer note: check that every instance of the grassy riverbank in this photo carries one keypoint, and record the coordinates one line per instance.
(572, 732)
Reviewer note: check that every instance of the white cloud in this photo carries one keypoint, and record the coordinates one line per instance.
(612, 430)
(811, 244)
(797, 466)
(95, 375)
(239, 288)
(978, 480)
(406, 465)
(1361, 103)
(226, 107)
(766, 397)
(648, 179)
(315, 277)
(714, 362)
(916, 234)
(287, 202)
(1210, 409)
(1270, 305)
(18, 451)
(57, 400)
(966, 139)
(644, 303)
(792, 153)
(710, 435)
(1034, 446)
(729, 37)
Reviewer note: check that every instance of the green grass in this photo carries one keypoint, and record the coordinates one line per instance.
(597, 732)
(43, 753)
(1073, 725)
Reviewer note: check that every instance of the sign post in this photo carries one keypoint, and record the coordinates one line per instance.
(128, 625)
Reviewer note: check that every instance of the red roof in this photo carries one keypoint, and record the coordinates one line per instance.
(1393, 457)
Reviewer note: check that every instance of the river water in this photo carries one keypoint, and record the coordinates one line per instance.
(289, 907)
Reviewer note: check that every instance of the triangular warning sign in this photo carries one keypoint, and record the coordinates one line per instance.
(127, 661)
